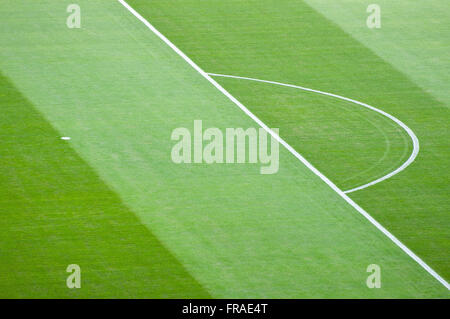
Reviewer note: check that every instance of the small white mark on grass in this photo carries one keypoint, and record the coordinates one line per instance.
(65, 138)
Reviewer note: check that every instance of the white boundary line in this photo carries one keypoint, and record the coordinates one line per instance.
(288, 147)
(411, 134)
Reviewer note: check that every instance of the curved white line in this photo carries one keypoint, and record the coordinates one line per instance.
(414, 138)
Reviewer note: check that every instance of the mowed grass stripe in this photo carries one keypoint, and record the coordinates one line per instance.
(118, 91)
(419, 32)
(289, 42)
(56, 211)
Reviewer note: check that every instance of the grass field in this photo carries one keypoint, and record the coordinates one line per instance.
(111, 200)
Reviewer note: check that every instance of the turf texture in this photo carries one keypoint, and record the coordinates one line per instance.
(111, 200)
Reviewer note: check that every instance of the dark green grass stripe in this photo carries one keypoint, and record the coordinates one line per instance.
(55, 211)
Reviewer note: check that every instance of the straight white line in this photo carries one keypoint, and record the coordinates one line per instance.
(411, 134)
(287, 146)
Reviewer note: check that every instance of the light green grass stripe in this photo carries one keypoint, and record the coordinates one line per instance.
(414, 37)
(118, 91)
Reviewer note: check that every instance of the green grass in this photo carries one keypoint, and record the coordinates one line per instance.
(414, 37)
(315, 125)
(290, 42)
(111, 200)
(56, 211)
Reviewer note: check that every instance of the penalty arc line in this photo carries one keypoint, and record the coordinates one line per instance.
(286, 145)
(411, 134)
